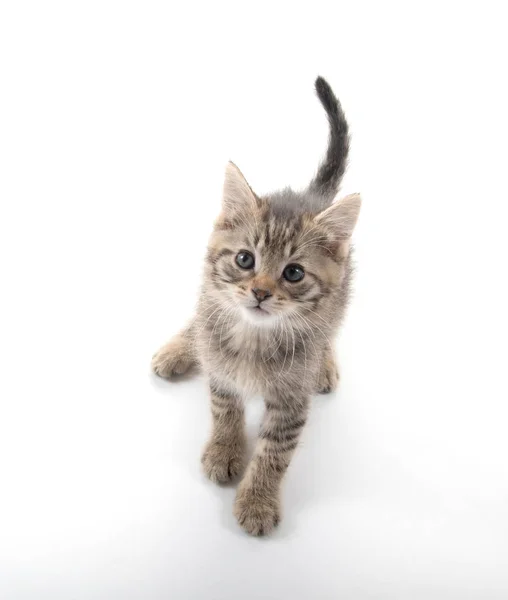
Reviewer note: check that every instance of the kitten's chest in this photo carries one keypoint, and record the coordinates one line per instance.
(241, 358)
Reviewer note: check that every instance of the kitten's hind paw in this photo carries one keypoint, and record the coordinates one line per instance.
(175, 358)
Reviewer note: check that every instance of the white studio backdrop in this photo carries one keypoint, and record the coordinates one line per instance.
(116, 122)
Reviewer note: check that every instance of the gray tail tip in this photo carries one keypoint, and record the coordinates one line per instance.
(325, 93)
(322, 86)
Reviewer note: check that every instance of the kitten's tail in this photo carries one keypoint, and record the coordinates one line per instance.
(330, 173)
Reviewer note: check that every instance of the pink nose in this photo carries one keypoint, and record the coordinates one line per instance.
(261, 294)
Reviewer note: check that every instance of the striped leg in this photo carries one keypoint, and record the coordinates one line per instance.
(224, 454)
(257, 505)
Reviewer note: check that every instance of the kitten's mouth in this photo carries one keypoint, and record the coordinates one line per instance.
(258, 310)
(258, 315)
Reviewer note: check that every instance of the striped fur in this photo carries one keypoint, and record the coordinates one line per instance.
(281, 347)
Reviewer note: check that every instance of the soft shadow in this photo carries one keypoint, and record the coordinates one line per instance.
(317, 472)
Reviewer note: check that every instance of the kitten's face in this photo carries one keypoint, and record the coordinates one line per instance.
(276, 259)
(272, 268)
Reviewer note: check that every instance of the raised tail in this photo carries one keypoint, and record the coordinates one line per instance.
(330, 172)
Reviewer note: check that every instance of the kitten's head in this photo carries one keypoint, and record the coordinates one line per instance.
(279, 257)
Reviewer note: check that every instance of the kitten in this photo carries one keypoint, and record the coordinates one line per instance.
(276, 284)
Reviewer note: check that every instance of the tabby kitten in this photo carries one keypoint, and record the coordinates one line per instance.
(275, 288)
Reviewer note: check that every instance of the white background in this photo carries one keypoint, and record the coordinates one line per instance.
(116, 122)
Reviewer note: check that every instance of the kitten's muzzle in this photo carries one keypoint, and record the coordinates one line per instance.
(261, 294)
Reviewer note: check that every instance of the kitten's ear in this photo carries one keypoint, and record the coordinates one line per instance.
(238, 199)
(340, 218)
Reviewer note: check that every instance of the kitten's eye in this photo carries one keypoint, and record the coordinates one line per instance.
(294, 273)
(245, 260)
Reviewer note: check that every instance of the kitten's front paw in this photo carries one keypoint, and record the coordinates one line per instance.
(223, 462)
(257, 514)
(175, 358)
(328, 378)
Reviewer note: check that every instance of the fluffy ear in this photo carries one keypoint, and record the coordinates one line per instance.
(238, 199)
(340, 218)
